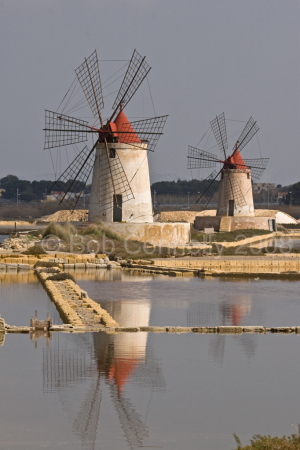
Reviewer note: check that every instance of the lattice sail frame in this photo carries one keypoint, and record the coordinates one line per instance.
(257, 166)
(88, 75)
(218, 126)
(208, 187)
(247, 134)
(61, 130)
(198, 159)
(136, 72)
(74, 177)
(147, 130)
(113, 182)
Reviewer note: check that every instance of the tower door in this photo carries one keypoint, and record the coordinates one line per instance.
(117, 211)
(231, 208)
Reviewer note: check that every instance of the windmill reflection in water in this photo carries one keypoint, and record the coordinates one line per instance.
(107, 361)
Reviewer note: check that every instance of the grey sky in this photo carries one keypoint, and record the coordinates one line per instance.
(209, 56)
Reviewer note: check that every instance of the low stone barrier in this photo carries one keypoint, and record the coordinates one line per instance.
(69, 308)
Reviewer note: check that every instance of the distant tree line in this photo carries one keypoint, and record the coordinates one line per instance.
(179, 187)
(34, 190)
(293, 196)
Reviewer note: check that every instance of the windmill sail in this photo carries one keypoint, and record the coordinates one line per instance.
(70, 185)
(218, 126)
(257, 166)
(198, 159)
(207, 189)
(136, 72)
(247, 134)
(88, 74)
(147, 130)
(61, 130)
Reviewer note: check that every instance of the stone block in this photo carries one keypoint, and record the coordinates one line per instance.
(2, 325)
(204, 329)
(2, 266)
(281, 330)
(178, 329)
(127, 329)
(90, 265)
(254, 329)
(68, 266)
(79, 266)
(23, 266)
(153, 329)
(230, 330)
(174, 273)
(11, 266)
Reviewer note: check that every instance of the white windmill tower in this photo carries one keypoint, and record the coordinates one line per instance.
(233, 180)
(120, 188)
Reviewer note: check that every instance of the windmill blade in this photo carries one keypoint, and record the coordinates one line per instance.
(247, 134)
(198, 159)
(86, 423)
(113, 181)
(207, 188)
(136, 72)
(134, 428)
(69, 186)
(88, 75)
(257, 166)
(233, 191)
(61, 130)
(147, 130)
(218, 126)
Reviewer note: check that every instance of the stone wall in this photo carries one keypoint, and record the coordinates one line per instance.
(162, 234)
(232, 223)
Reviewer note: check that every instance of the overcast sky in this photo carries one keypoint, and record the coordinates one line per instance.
(207, 56)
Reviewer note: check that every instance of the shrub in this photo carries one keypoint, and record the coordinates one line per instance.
(35, 251)
(259, 442)
(45, 264)
(62, 276)
(63, 232)
(99, 230)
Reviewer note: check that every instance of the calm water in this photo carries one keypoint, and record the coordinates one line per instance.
(145, 390)
(20, 295)
(159, 300)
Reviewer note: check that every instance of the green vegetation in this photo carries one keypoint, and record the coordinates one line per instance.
(63, 232)
(36, 250)
(99, 230)
(259, 442)
(32, 190)
(178, 187)
(46, 264)
(293, 196)
(61, 277)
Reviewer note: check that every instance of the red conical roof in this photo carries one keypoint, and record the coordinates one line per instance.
(238, 160)
(121, 123)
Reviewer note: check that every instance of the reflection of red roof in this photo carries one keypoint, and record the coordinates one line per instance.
(120, 371)
(121, 123)
(236, 314)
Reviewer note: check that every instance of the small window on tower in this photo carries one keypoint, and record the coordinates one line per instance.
(112, 152)
(248, 176)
